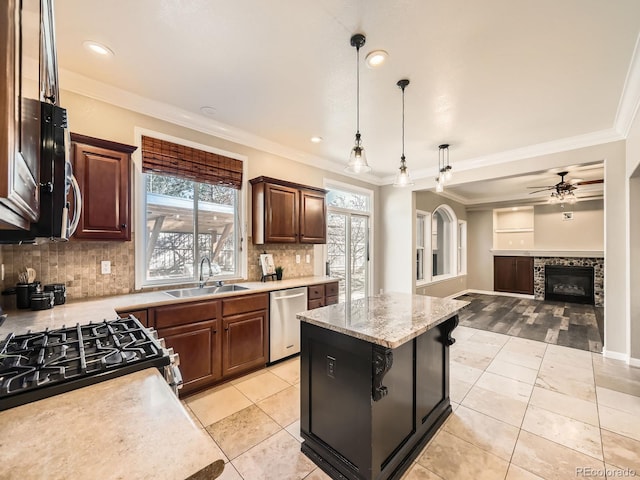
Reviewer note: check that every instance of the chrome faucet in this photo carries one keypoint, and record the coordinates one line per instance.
(202, 282)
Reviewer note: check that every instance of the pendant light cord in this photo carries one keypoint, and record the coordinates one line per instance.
(357, 89)
(403, 124)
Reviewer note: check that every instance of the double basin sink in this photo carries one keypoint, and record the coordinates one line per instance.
(197, 292)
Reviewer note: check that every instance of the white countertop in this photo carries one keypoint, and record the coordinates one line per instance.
(550, 253)
(98, 309)
(129, 427)
(389, 319)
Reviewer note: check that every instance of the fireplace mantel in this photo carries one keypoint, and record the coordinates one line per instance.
(550, 253)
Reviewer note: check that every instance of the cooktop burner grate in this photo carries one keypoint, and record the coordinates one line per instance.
(37, 365)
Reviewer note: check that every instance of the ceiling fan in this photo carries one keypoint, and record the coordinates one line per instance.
(564, 190)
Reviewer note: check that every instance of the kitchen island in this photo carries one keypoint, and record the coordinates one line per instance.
(374, 382)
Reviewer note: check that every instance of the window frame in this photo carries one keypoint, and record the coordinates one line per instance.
(347, 187)
(459, 246)
(140, 220)
(426, 262)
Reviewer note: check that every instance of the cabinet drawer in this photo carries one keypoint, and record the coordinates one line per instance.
(331, 289)
(331, 300)
(139, 314)
(316, 303)
(244, 304)
(316, 291)
(184, 313)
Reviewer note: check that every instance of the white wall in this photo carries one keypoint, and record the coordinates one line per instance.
(633, 240)
(584, 232)
(479, 245)
(397, 241)
(616, 335)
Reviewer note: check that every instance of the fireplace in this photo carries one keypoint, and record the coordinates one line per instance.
(569, 284)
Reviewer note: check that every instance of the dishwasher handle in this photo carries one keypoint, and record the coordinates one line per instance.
(290, 296)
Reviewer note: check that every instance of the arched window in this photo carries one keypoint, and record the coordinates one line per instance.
(444, 233)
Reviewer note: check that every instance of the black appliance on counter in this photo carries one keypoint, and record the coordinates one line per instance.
(59, 292)
(37, 365)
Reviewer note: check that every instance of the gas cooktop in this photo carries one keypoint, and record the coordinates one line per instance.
(36, 365)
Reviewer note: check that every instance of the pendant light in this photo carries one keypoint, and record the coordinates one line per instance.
(357, 159)
(444, 167)
(402, 177)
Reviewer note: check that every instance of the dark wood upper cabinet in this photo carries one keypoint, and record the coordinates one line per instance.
(103, 172)
(285, 212)
(513, 274)
(20, 116)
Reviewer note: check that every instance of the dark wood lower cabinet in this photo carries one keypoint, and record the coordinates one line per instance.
(322, 295)
(513, 274)
(198, 346)
(215, 339)
(245, 342)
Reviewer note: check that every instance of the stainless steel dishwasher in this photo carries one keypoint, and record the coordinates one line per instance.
(284, 327)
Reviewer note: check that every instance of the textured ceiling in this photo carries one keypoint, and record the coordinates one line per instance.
(486, 77)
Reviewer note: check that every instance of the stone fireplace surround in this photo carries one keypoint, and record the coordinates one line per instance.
(598, 273)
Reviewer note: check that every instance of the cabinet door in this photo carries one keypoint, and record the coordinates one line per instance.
(245, 342)
(313, 218)
(198, 345)
(503, 274)
(523, 276)
(19, 113)
(103, 176)
(281, 214)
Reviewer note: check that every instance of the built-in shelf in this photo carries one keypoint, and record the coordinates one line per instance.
(513, 230)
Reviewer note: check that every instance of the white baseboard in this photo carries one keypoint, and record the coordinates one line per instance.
(504, 294)
(634, 362)
(615, 355)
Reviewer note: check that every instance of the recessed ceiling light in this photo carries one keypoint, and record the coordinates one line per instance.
(316, 139)
(208, 111)
(376, 58)
(98, 48)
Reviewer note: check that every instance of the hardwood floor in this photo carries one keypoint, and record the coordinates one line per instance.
(568, 324)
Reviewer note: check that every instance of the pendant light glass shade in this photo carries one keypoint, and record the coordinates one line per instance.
(445, 171)
(358, 159)
(403, 179)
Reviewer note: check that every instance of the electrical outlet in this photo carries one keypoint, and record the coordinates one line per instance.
(105, 267)
(308, 258)
(297, 258)
(331, 366)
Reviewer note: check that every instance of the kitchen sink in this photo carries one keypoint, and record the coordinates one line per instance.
(198, 292)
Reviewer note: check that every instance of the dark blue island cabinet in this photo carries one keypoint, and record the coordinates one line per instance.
(374, 382)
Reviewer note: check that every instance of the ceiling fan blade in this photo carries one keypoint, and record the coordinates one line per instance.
(544, 186)
(538, 191)
(590, 182)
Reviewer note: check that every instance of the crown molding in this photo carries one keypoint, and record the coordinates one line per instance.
(630, 98)
(103, 92)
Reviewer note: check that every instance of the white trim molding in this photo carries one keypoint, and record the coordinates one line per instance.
(615, 355)
(630, 98)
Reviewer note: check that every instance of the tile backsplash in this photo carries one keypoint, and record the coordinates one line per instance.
(77, 264)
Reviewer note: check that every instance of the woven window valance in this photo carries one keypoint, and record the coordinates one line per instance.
(168, 158)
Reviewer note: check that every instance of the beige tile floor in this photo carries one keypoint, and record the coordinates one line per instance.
(522, 410)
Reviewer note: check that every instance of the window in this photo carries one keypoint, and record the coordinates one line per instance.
(462, 247)
(422, 236)
(179, 211)
(186, 213)
(348, 239)
(446, 238)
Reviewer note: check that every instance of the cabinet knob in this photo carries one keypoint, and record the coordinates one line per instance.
(123, 226)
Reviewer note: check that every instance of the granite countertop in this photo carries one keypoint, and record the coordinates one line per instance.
(98, 309)
(130, 427)
(389, 319)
